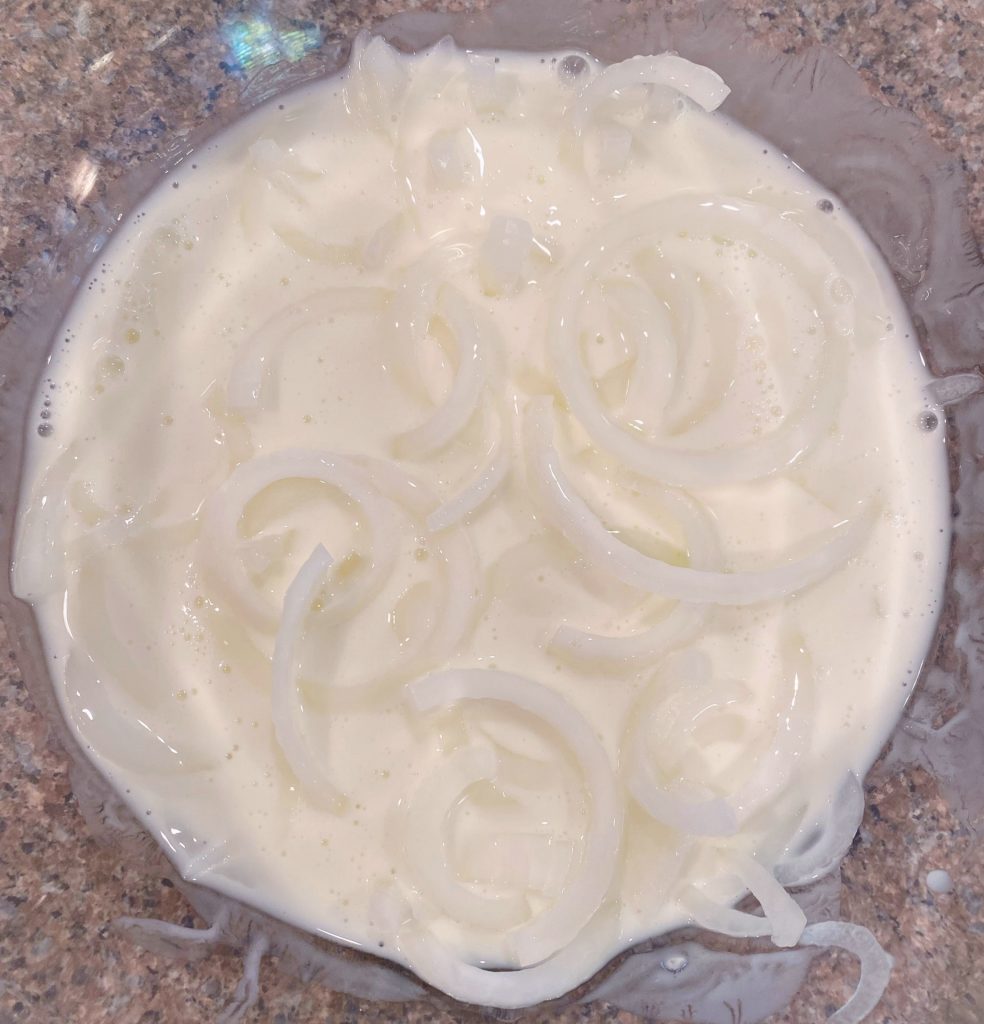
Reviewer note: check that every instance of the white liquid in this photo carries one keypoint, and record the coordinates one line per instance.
(344, 185)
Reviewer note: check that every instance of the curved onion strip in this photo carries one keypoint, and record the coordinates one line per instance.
(555, 927)
(309, 248)
(438, 966)
(425, 838)
(430, 960)
(375, 81)
(680, 625)
(683, 291)
(755, 224)
(225, 508)
(466, 391)
(876, 965)
(704, 86)
(844, 815)
(454, 546)
(784, 920)
(688, 811)
(474, 495)
(414, 304)
(251, 363)
(774, 768)
(686, 808)
(287, 711)
(785, 916)
(645, 320)
(527, 860)
(587, 533)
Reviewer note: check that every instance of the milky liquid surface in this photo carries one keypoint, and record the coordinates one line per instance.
(421, 287)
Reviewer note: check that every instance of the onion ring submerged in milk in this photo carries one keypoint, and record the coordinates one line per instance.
(491, 501)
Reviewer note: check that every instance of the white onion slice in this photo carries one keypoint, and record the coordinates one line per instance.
(680, 625)
(844, 814)
(375, 82)
(647, 323)
(251, 364)
(309, 248)
(579, 524)
(466, 391)
(876, 965)
(511, 989)
(504, 253)
(473, 496)
(454, 546)
(784, 914)
(287, 710)
(426, 845)
(379, 245)
(784, 920)
(222, 512)
(704, 86)
(557, 925)
(688, 808)
(755, 224)
(774, 768)
(525, 860)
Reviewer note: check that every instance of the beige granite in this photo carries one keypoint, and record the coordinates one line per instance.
(110, 78)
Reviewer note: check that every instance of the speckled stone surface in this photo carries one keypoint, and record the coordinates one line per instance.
(108, 79)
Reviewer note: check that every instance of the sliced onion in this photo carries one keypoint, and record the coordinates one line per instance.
(475, 494)
(224, 509)
(526, 860)
(844, 814)
(681, 625)
(454, 546)
(784, 914)
(614, 146)
(302, 244)
(784, 920)
(704, 86)
(646, 321)
(251, 365)
(687, 808)
(758, 225)
(580, 525)
(876, 965)
(466, 391)
(504, 254)
(381, 242)
(292, 737)
(432, 961)
(491, 89)
(556, 926)
(375, 82)
(426, 843)
(774, 768)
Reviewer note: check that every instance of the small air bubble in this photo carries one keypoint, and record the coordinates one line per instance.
(572, 66)
(928, 421)
(45, 429)
(825, 206)
(674, 964)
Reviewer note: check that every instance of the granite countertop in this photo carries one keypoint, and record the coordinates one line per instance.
(111, 74)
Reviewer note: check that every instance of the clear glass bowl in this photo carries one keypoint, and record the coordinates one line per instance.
(925, 795)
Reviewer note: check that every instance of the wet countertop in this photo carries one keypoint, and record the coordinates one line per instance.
(104, 80)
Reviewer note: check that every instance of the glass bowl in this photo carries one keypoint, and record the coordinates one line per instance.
(179, 75)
